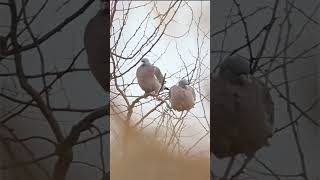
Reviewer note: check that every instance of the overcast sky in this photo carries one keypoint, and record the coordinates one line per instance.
(171, 53)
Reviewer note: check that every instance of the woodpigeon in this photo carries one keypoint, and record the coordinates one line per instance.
(97, 47)
(242, 111)
(149, 77)
(182, 96)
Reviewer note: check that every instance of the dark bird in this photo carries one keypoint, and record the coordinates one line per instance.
(96, 43)
(242, 114)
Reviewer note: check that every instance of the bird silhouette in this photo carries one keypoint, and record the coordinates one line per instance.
(242, 110)
(96, 43)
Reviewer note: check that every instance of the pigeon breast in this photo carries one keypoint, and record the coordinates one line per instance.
(146, 79)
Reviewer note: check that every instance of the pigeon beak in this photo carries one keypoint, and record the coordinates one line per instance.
(246, 78)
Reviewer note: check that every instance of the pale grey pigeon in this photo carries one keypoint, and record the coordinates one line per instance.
(182, 96)
(97, 47)
(242, 111)
(149, 77)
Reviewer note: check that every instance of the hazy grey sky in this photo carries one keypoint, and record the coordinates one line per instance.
(170, 54)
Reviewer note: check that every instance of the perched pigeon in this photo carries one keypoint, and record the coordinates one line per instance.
(182, 96)
(242, 111)
(97, 47)
(149, 77)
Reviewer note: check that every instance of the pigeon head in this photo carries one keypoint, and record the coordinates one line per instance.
(234, 67)
(104, 4)
(145, 61)
(182, 83)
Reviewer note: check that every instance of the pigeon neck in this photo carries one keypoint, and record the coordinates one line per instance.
(146, 64)
(228, 75)
(102, 12)
(231, 77)
(183, 86)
